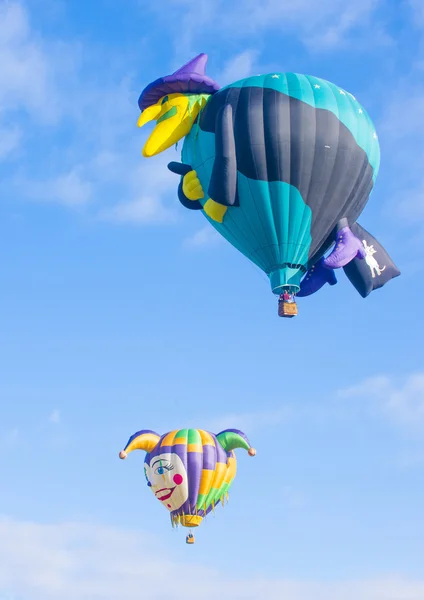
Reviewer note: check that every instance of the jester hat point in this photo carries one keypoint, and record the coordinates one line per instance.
(189, 79)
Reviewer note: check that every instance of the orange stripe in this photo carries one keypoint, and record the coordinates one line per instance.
(168, 440)
(194, 448)
(207, 439)
(220, 470)
(146, 441)
(231, 470)
(205, 481)
(180, 440)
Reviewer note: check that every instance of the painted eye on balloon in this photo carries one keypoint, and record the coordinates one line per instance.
(162, 469)
(165, 99)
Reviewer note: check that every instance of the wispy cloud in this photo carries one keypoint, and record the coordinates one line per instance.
(239, 66)
(320, 26)
(251, 421)
(9, 438)
(55, 416)
(143, 210)
(401, 402)
(10, 138)
(417, 7)
(153, 190)
(328, 22)
(52, 89)
(205, 237)
(401, 129)
(26, 71)
(75, 561)
(71, 189)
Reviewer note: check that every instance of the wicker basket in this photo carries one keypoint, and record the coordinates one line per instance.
(287, 309)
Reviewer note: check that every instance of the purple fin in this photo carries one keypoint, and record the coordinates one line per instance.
(346, 249)
(317, 276)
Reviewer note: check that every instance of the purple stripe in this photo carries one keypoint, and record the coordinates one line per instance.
(194, 472)
(222, 456)
(209, 457)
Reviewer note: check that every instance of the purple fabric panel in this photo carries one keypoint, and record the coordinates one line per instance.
(195, 65)
(161, 449)
(194, 471)
(162, 87)
(315, 278)
(346, 249)
(187, 509)
(189, 79)
(209, 457)
(221, 454)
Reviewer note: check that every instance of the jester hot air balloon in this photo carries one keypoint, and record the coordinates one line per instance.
(189, 470)
(282, 165)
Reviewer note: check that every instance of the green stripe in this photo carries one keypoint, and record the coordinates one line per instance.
(194, 437)
(182, 433)
(201, 499)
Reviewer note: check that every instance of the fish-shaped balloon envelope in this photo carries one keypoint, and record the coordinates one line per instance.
(189, 470)
(282, 165)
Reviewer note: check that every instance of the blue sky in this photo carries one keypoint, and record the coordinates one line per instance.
(120, 310)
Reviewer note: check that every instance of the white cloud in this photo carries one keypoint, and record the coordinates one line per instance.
(408, 204)
(417, 7)
(333, 18)
(207, 236)
(401, 402)
(45, 82)
(70, 189)
(404, 112)
(26, 74)
(9, 438)
(55, 416)
(401, 132)
(144, 210)
(81, 561)
(238, 67)
(320, 25)
(251, 421)
(10, 138)
(153, 189)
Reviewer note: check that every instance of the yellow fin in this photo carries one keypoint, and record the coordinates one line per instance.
(214, 210)
(192, 187)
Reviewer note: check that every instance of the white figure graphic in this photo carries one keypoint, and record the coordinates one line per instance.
(371, 261)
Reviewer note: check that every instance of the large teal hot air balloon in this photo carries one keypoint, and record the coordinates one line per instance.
(281, 165)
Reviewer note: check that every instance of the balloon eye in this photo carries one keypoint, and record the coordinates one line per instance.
(165, 99)
(161, 471)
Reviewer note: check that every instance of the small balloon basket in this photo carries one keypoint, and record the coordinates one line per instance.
(190, 538)
(287, 309)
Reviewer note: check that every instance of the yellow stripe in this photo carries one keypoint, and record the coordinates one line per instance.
(220, 470)
(231, 470)
(168, 440)
(180, 440)
(146, 441)
(194, 448)
(205, 481)
(207, 439)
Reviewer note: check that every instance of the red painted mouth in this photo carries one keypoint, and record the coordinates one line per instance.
(166, 493)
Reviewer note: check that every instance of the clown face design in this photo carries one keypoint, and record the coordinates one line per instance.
(167, 478)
